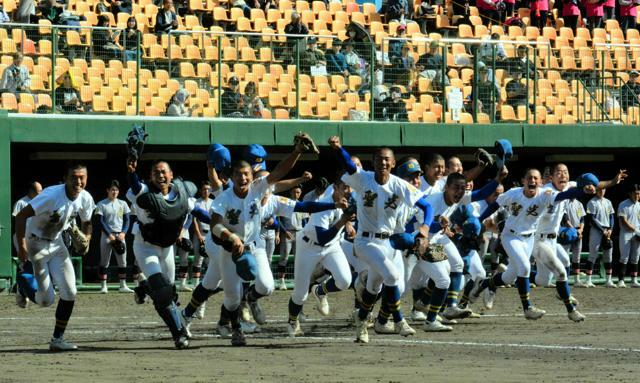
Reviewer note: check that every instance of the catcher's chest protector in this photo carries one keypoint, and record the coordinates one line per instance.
(168, 216)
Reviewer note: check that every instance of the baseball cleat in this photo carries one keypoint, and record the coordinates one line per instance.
(534, 313)
(475, 291)
(454, 312)
(576, 316)
(224, 330)
(245, 314)
(386, 328)
(282, 285)
(125, 289)
(103, 289)
(322, 304)
(182, 341)
(186, 324)
(237, 338)
(488, 298)
(589, 285)
(579, 283)
(573, 300)
(199, 314)
(446, 321)
(403, 328)
(501, 268)
(362, 334)
(140, 296)
(436, 326)
(302, 317)
(257, 313)
(420, 306)
(474, 315)
(418, 316)
(635, 284)
(622, 285)
(59, 344)
(21, 300)
(293, 329)
(249, 327)
(610, 284)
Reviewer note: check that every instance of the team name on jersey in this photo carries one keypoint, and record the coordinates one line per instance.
(533, 210)
(55, 217)
(233, 216)
(369, 198)
(391, 202)
(515, 208)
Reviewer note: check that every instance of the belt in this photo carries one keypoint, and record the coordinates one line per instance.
(548, 236)
(308, 240)
(41, 238)
(521, 235)
(367, 234)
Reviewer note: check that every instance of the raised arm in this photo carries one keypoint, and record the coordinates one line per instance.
(288, 163)
(489, 188)
(343, 155)
(622, 174)
(284, 185)
(132, 176)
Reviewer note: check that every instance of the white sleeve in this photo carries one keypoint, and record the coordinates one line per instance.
(17, 207)
(504, 198)
(125, 207)
(87, 207)
(283, 207)
(466, 198)
(355, 180)
(43, 202)
(259, 186)
(409, 193)
(99, 208)
(132, 197)
(591, 207)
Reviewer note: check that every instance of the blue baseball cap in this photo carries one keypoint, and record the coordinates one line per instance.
(256, 156)
(402, 241)
(587, 179)
(218, 156)
(246, 266)
(567, 235)
(408, 168)
(471, 227)
(504, 152)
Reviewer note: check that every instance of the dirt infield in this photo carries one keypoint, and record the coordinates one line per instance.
(121, 341)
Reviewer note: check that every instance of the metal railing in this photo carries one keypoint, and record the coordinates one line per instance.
(283, 76)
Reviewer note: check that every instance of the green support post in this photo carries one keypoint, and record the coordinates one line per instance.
(5, 198)
(138, 63)
(54, 50)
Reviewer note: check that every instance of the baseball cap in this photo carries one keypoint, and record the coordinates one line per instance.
(337, 42)
(218, 156)
(433, 44)
(408, 168)
(482, 66)
(234, 80)
(471, 227)
(634, 73)
(312, 40)
(255, 155)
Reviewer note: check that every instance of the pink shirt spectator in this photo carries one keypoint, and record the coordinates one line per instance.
(628, 10)
(539, 5)
(481, 4)
(570, 9)
(610, 3)
(594, 8)
(510, 1)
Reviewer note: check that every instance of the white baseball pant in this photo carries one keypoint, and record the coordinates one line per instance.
(286, 247)
(197, 258)
(518, 249)
(629, 247)
(476, 268)
(51, 260)
(595, 239)
(232, 283)
(378, 255)
(308, 256)
(550, 261)
(212, 278)
(453, 255)
(105, 253)
(153, 259)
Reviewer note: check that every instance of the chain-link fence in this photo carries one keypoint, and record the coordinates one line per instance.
(211, 74)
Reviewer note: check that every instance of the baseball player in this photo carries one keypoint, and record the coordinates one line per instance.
(162, 207)
(290, 227)
(32, 191)
(235, 223)
(526, 205)
(629, 239)
(183, 247)
(319, 243)
(601, 216)
(379, 196)
(114, 222)
(434, 169)
(575, 215)
(39, 226)
(200, 230)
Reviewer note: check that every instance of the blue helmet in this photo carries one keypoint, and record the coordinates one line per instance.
(402, 241)
(587, 179)
(471, 228)
(504, 152)
(246, 266)
(218, 156)
(256, 156)
(567, 235)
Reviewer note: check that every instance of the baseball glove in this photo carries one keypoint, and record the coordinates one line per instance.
(185, 244)
(118, 246)
(202, 251)
(434, 253)
(306, 141)
(606, 243)
(483, 158)
(79, 240)
(135, 141)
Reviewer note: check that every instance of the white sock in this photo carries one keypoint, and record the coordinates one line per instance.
(196, 281)
(589, 278)
(123, 283)
(104, 284)
(608, 278)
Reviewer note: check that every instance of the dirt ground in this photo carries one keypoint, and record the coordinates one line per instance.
(121, 341)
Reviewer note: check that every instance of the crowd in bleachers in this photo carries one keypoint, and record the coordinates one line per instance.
(533, 61)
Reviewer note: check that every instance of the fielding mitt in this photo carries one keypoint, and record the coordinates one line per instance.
(483, 158)
(135, 141)
(434, 253)
(306, 141)
(79, 241)
(118, 246)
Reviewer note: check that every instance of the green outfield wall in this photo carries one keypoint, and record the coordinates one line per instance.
(111, 130)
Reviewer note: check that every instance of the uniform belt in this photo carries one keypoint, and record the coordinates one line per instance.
(548, 236)
(367, 234)
(41, 238)
(308, 240)
(521, 235)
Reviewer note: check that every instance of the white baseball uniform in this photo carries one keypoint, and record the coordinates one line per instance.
(113, 213)
(628, 241)
(377, 212)
(601, 210)
(575, 213)
(19, 205)
(204, 230)
(46, 250)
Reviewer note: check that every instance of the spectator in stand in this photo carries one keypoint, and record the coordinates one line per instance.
(403, 67)
(609, 7)
(629, 94)
(516, 91)
(628, 15)
(430, 66)
(103, 41)
(131, 40)
(312, 57)
(489, 12)
(243, 5)
(51, 10)
(398, 10)
(295, 27)
(395, 46)
(177, 106)
(231, 100)
(354, 62)
(253, 104)
(4, 18)
(67, 96)
(15, 78)
(166, 19)
(595, 11)
(488, 92)
(120, 6)
(509, 10)
(101, 7)
(539, 11)
(520, 63)
(571, 14)
(26, 12)
(487, 50)
(336, 62)
(396, 109)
